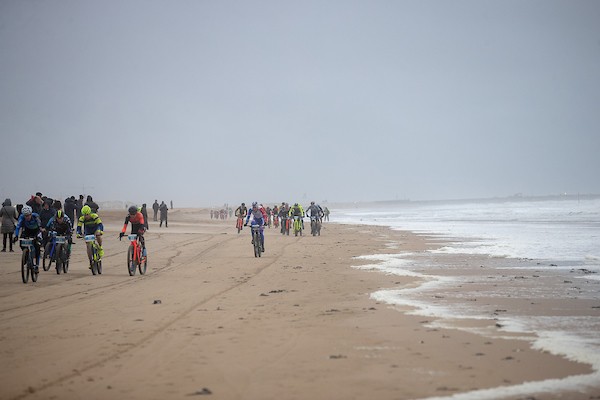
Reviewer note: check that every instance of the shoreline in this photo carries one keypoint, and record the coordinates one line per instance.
(298, 323)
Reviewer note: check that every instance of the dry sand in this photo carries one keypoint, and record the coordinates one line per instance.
(297, 323)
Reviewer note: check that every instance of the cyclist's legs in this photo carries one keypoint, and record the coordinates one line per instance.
(98, 238)
(37, 240)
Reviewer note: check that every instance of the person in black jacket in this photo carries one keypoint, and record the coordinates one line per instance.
(144, 212)
(90, 202)
(155, 207)
(70, 208)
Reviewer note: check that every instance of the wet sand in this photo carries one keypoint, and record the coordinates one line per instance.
(210, 319)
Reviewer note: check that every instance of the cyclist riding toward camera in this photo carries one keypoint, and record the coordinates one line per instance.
(32, 229)
(61, 224)
(138, 226)
(90, 224)
(241, 211)
(259, 216)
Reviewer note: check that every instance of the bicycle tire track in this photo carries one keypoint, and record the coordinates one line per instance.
(154, 333)
(98, 289)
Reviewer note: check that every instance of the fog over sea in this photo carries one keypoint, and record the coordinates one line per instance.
(533, 265)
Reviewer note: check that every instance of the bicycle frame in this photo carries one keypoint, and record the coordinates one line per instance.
(28, 248)
(239, 224)
(92, 250)
(134, 255)
(257, 241)
(297, 225)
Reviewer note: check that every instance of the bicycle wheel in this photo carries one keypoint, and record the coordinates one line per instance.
(64, 256)
(34, 275)
(256, 244)
(130, 261)
(24, 266)
(59, 260)
(143, 264)
(93, 259)
(47, 259)
(99, 266)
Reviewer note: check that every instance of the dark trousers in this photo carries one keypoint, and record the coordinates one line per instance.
(164, 219)
(8, 236)
(156, 215)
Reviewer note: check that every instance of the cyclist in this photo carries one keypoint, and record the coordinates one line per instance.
(283, 215)
(297, 211)
(241, 211)
(259, 216)
(92, 225)
(61, 224)
(315, 211)
(32, 229)
(138, 226)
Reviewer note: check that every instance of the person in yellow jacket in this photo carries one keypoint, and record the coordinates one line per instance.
(92, 225)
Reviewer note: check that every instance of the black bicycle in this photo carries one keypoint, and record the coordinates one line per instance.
(27, 265)
(57, 250)
(315, 226)
(257, 242)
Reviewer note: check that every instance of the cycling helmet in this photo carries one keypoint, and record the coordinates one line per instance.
(59, 214)
(132, 210)
(295, 204)
(254, 204)
(26, 210)
(244, 204)
(86, 210)
(312, 203)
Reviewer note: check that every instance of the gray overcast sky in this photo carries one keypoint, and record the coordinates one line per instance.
(206, 102)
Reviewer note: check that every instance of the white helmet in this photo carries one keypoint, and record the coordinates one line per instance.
(26, 210)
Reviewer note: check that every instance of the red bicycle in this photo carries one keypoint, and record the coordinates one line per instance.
(135, 257)
(239, 224)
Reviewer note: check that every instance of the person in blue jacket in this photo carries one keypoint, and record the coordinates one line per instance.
(31, 226)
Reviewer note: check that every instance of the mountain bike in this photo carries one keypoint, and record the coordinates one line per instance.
(285, 225)
(54, 253)
(275, 221)
(268, 221)
(315, 226)
(239, 224)
(63, 254)
(297, 225)
(257, 243)
(135, 256)
(27, 264)
(93, 253)
(57, 250)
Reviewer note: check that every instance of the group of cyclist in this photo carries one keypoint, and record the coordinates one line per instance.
(262, 216)
(29, 225)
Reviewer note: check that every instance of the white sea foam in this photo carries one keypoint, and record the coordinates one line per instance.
(555, 247)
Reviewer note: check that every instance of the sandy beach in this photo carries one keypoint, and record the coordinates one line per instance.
(211, 320)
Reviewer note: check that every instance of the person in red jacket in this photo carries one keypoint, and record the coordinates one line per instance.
(138, 226)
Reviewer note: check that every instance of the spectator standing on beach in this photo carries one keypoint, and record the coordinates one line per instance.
(9, 216)
(326, 214)
(35, 202)
(171, 204)
(163, 214)
(70, 208)
(144, 212)
(155, 207)
(90, 202)
(46, 215)
(79, 206)
(56, 205)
